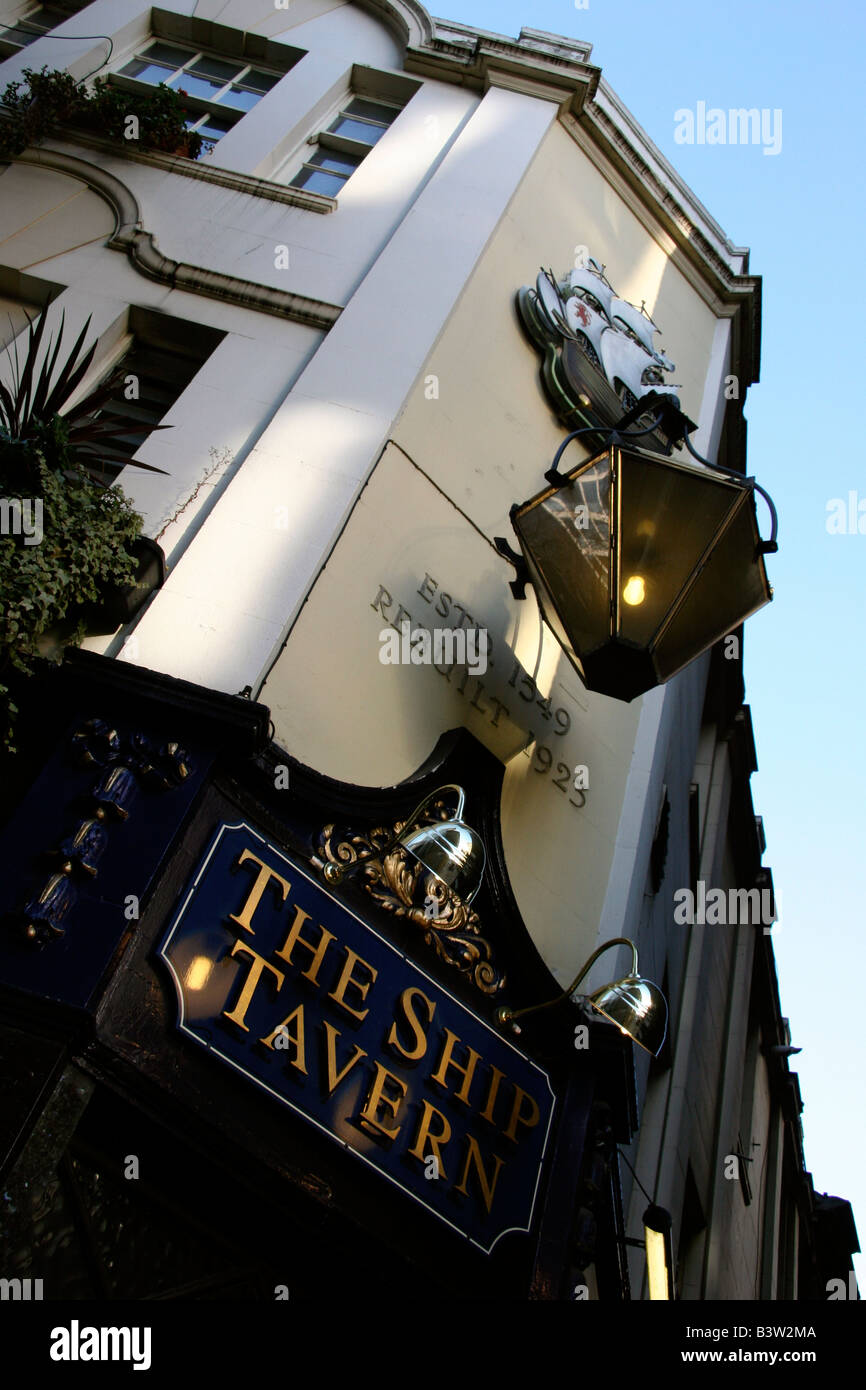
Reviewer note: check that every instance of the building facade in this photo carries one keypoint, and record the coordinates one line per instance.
(339, 310)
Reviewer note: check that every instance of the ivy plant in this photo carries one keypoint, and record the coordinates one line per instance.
(77, 541)
(78, 545)
(41, 103)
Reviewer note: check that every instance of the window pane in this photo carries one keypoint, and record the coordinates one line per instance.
(167, 53)
(47, 17)
(318, 181)
(357, 130)
(147, 72)
(162, 375)
(21, 36)
(373, 110)
(240, 99)
(31, 27)
(340, 163)
(212, 127)
(197, 86)
(261, 81)
(214, 67)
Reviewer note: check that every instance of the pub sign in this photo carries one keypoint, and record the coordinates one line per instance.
(282, 981)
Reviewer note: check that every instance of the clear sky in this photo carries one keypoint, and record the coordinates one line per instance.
(801, 211)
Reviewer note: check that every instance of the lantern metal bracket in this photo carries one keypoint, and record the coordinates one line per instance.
(616, 436)
(521, 578)
(768, 547)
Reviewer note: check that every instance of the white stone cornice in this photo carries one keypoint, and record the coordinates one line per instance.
(666, 207)
(536, 64)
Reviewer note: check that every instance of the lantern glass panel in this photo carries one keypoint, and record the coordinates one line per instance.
(668, 517)
(732, 585)
(567, 537)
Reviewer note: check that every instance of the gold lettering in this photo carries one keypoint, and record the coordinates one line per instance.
(300, 1058)
(263, 878)
(347, 980)
(447, 1061)
(259, 964)
(414, 1023)
(294, 939)
(473, 1158)
(517, 1117)
(378, 1096)
(487, 1112)
(425, 1136)
(335, 1077)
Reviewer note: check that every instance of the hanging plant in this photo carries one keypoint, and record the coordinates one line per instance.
(52, 100)
(68, 539)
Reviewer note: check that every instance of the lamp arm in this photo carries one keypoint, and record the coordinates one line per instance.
(554, 476)
(335, 873)
(764, 547)
(508, 1015)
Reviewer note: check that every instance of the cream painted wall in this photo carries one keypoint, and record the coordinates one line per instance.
(489, 437)
(44, 215)
(474, 437)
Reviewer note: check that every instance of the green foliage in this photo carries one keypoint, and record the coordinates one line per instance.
(40, 386)
(87, 531)
(53, 99)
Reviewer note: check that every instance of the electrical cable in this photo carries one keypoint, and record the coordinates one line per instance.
(69, 38)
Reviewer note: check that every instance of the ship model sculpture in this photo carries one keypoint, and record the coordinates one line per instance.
(599, 359)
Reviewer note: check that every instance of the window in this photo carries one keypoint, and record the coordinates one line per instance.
(356, 128)
(22, 300)
(148, 368)
(33, 26)
(216, 91)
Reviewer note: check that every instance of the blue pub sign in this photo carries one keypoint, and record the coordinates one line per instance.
(280, 980)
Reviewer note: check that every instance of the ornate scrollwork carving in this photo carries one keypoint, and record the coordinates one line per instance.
(401, 885)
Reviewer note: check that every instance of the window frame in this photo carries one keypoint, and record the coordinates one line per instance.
(327, 139)
(8, 48)
(153, 330)
(197, 108)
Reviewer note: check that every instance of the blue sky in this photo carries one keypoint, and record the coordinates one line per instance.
(801, 212)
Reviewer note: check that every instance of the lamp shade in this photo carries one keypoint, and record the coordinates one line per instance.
(638, 1007)
(641, 562)
(453, 852)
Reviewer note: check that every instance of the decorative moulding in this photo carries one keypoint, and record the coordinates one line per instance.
(141, 247)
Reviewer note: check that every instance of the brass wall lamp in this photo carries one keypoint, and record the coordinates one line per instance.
(450, 850)
(658, 1241)
(636, 1006)
(640, 562)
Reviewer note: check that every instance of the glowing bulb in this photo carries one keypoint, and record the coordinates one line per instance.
(656, 1261)
(634, 591)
